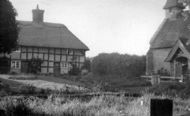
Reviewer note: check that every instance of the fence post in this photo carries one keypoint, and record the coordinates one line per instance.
(161, 107)
(155, 79)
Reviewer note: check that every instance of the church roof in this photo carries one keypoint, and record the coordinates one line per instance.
(186, 43)
(48, 35)
(170, 31)
(182, 44)
(172, 3)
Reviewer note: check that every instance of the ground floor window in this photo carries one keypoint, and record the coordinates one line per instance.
(15, 64)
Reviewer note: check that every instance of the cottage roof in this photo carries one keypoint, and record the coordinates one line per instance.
(170, 31)
(48, 35)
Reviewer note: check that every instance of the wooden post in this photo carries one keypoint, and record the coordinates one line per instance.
(155, 79)
(161, 107)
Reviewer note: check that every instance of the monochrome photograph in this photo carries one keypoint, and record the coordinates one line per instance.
(94, 57)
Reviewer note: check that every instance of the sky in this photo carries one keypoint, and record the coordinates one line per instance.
(105, 26)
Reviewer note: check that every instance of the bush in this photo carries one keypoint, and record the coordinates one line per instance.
(4, 89)
(74, 70)
(35, 65)
(27, 89)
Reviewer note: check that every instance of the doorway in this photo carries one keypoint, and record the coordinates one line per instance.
(181, 67)
(24, 67)
(57, 68)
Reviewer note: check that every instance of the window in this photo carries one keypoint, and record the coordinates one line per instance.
(35, 49)
(29, 55)
(57, 57)
(51, 57)
(64, 64)
(63, 58)
(29, 49)
(82, 59)
(23, 56)
(23, 49)
(44, 63)
(15, 64)
(79, 52)
(69, 58)
(51, 51)
(71, 52)
(57, 51)
(35, 55)
(43, 50)
(45, 56)
(64, 51)
(40, 56)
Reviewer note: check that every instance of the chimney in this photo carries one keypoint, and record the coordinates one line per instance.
(38, 15)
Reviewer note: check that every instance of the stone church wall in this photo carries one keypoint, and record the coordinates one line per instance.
(159, 55)
(149, 62)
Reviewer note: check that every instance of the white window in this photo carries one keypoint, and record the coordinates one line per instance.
(15, 64)
(64, 64)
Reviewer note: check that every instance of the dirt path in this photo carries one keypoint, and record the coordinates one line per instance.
(46, 84)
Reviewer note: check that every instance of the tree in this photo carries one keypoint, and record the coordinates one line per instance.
(123, 65)
(8, 27)
(87, 64)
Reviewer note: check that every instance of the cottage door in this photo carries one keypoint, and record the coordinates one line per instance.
(24, 67)
(56, 68)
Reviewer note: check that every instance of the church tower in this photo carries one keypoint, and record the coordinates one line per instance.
(173, 9)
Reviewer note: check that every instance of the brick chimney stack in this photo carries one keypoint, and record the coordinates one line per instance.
(38, 15)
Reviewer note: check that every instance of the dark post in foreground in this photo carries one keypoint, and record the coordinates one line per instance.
(161, 107)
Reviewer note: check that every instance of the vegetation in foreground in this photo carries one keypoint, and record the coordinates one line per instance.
(97, 106)
(20, 104)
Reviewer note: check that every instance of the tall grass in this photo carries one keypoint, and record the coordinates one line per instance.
(97, 106)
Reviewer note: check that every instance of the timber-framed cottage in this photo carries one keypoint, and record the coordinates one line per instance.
(53, 43)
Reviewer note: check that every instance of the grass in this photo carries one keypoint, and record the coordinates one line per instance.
(173, 89)
(23, 77)
(60, 79)
(84, 83)
(97, 106)
(114, 83)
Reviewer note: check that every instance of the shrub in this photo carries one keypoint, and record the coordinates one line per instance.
(14, 107)
(27, 89)
(3, 93)
(74, 70)
(4, 89)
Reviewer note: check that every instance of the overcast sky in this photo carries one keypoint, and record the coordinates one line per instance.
(123, 26)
